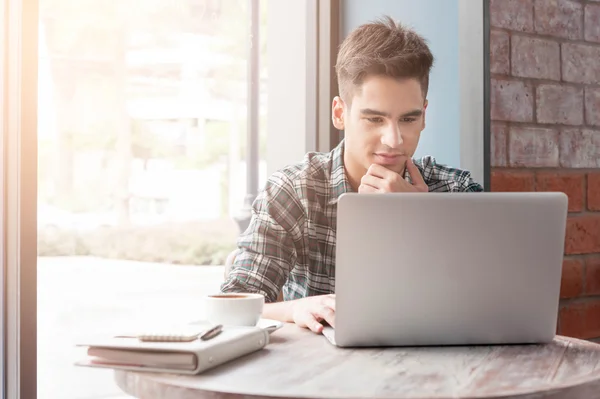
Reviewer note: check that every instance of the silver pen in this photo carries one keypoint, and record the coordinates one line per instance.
(211, 332)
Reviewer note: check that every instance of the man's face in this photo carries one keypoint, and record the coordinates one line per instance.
(382, 125)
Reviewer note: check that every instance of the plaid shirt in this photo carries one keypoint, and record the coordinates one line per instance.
(290, 241)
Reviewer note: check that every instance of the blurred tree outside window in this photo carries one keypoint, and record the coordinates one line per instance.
(142, 127)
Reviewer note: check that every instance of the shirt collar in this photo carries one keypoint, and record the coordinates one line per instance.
(338, 180)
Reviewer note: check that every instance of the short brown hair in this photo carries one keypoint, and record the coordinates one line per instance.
(383, 47)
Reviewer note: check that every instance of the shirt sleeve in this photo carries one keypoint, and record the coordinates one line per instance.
(267, 249)
(441, 177)
(468, 184)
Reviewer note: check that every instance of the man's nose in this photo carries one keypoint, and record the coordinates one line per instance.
(392, 136)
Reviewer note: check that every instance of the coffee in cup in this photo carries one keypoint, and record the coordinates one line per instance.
(234, 309)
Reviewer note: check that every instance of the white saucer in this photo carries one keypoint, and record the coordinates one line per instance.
(266, 324)
(270, 325)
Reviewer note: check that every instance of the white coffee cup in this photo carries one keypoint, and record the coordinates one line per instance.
(234, 309)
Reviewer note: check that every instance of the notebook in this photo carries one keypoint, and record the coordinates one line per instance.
(183, 356)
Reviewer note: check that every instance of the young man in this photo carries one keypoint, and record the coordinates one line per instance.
(383, 74)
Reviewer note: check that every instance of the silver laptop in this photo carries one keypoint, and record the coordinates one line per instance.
(429, 269)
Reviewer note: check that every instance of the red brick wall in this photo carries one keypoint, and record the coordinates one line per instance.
(545, 111)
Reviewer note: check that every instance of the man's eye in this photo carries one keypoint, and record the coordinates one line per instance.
(408, 120)
(374, 120)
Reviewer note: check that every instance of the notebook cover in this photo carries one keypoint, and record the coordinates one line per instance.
(230, 344)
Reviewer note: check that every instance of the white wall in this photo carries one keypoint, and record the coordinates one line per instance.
(453, 28)
(291, 124)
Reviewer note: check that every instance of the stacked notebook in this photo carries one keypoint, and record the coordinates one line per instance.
(174, 353)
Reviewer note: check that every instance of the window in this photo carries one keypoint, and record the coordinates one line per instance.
(127, 160)
(144, 165)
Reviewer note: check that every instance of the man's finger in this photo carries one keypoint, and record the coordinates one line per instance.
(384, 173)
(329, 301)
(363, 188)
(370, 180)
(379, 171)
(327, 314)
(415, 174)
(312, 323)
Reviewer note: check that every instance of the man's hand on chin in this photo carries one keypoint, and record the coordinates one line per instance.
(379, 179)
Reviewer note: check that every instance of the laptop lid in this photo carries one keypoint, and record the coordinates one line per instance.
(448, 268)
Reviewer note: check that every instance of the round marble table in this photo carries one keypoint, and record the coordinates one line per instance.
(300, 364)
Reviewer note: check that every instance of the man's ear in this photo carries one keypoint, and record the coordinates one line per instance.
(425, 112)
(337, 113)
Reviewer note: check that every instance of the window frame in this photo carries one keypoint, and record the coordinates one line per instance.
(474, 75)
(18, 245)
(299, 115)
(328, 41)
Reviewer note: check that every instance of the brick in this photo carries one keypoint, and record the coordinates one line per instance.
(579, 148)
(499, 52)
(592, 320)
(533, 147)
(499, 133)
(511, 181)
(572, 320)
(580, 63)
(511, 101)
(593, 191)
(592, 106)
(571, 283)
(583, 234)
(572, 184)
(561, 18)
(580, 319)
(591, 23)
(559, 104)
(512, 14)
(592, 276)
(535, 58)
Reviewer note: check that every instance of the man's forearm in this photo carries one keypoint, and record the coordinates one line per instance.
(281, 311)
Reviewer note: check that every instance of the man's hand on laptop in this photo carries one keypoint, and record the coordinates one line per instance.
(379, 179)
(311, 311)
